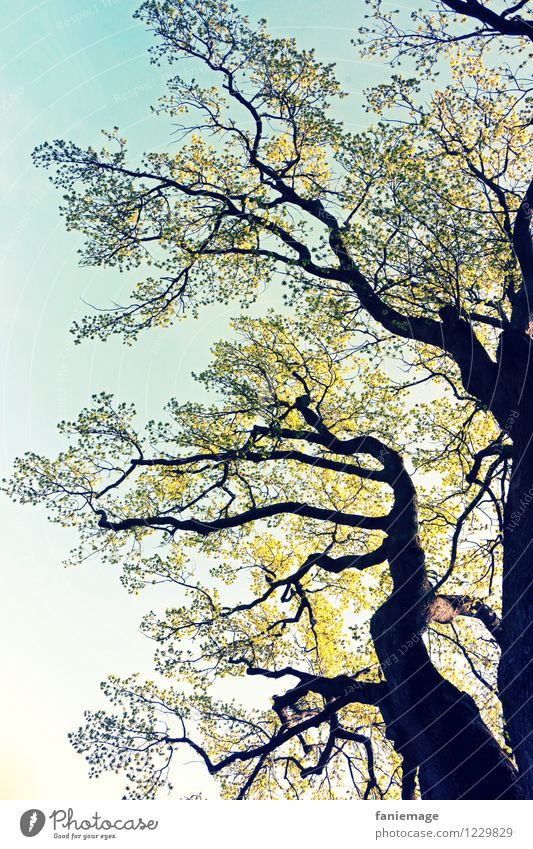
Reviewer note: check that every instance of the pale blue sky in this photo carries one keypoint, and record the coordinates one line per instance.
(70, 68)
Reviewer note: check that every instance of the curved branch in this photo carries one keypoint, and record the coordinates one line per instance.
(362, 692)
(498, 24)
(254, 514)
(248, 456)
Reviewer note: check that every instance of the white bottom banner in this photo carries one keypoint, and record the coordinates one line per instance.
(251, 825)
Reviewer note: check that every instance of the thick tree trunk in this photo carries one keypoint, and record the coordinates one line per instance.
(515, 674)
(433, 724)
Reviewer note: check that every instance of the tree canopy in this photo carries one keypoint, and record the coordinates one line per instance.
(333, 533)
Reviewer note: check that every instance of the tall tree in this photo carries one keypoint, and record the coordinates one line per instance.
(405, 252)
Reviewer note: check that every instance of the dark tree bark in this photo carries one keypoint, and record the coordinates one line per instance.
(515, 674)
(434, 725)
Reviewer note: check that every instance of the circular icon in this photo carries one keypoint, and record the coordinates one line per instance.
(32, 822)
